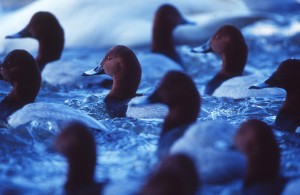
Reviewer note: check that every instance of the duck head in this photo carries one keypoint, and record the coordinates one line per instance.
(123, 66)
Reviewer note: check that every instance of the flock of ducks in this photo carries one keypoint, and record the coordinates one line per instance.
(185, 147)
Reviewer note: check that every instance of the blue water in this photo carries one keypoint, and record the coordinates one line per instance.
(29, 165)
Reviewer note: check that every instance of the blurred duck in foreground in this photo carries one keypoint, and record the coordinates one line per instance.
(255, 139)
(175, 175)
(77, 144)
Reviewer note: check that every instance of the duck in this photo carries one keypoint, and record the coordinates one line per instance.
(122, 65)
(163, 56)
(286, 77)
(47, 30)
(18, 108)
(118, 29)
(179, 93)
(176, 174)
(166, 19)
(77, 144)
(256, 140)
(230, 44)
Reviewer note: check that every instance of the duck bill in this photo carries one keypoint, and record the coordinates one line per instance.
(22, 34)
(96, 71)
(205, 48)
(187, 22)
(269, 83)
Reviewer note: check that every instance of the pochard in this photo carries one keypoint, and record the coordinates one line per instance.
(122, 65)
(229, 43)
(20, 69)
(255, 139)
(77, 144)
(286, 77)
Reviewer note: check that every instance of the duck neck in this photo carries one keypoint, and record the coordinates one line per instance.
(179, 116)
(49, 50)
(80, 173)
(262, 167)
(26, 91)
(124, 88)
(162, 42)
(215, 82)
(291, 104)
(233, 63)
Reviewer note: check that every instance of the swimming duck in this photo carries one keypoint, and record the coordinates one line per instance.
(25, 87)
(20, 69)
(166, 19)
(180, 94)
(286, 77)
(176, 174)
(123, 66)
(230, 82)
(77, 144)
(255, 139)
(230, 44)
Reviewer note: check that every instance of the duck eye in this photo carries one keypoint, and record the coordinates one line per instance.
(108, 58)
